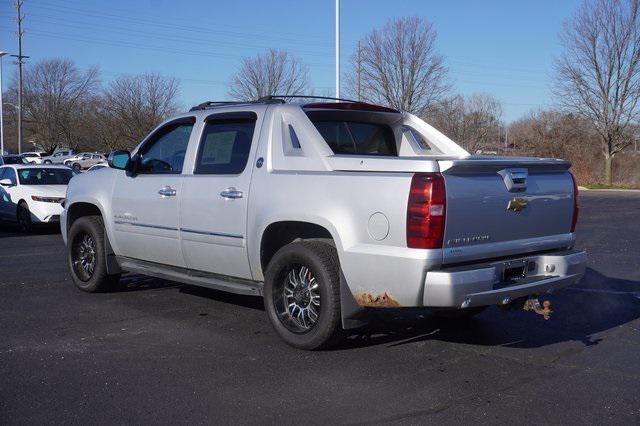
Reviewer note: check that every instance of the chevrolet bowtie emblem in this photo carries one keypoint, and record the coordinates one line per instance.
(517, 204)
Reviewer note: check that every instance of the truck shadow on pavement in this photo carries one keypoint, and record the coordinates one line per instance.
(138, 282)
(595, 305)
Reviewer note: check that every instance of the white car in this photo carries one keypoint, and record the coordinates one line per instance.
(34, 157)
(32, 194)
(58, 156)
(84, 160)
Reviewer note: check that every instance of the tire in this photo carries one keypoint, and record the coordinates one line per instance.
(458, 314)
(76, 166)
(23, 215)
(287, 282)
(86, 257)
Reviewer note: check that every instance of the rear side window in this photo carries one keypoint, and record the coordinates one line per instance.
(225, 145)
(356, 133)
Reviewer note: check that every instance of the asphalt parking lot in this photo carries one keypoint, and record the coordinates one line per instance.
(159, 352)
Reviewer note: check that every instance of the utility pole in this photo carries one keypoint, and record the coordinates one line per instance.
(1, 108)
(337, 48)
(359, 60)
(20, 60)
(506, 137)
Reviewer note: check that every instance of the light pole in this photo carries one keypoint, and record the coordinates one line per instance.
(337, 48)
(1, 110)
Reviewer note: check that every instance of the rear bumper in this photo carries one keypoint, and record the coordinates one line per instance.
(482, 284)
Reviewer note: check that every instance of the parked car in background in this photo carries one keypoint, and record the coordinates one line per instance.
(326, 209)
(84, 160)
(32, 194)
(34, 157)
(58, 156)
(98, 167)
(13, 159)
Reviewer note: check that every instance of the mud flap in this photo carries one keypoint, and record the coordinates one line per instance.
(352, 313)
(112, 265)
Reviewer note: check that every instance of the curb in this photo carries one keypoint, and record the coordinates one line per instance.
(580, 188)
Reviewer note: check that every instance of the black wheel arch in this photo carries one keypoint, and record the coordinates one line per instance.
(278, 234)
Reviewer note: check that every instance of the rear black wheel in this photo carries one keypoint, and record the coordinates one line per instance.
(76, 166)
(24, 218)
(302, 294)
(86, 256)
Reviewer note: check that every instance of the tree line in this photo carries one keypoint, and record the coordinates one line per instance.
(64, 106)
(596, 90)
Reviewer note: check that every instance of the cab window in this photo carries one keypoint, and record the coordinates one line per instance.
(225, 145)
(164, 151)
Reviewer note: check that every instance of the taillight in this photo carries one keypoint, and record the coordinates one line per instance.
(576, 208)
(426, 210)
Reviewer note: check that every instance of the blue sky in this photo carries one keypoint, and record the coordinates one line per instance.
(505, 48)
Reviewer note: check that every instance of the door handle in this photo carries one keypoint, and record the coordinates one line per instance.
(167, 191)
(231, 193)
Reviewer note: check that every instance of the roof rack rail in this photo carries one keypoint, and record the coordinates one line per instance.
(213, 104)
(209, 104)
(271, 99)
(280, 98)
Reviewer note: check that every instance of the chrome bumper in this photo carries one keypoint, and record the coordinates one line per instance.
(484, 284)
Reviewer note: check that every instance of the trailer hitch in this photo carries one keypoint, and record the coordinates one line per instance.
(533, 304)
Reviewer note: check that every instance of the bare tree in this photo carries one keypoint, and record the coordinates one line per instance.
(353, 77)
(474, 121)
(56, 96)
(398, 66)
(272, 73)
(132, 106)
(598, 72)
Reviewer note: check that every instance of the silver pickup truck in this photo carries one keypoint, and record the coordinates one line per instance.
(325, 209)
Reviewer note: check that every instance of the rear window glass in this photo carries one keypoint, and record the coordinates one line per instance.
(355, 137)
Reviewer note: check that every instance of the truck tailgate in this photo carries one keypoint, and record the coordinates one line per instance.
(505, 206)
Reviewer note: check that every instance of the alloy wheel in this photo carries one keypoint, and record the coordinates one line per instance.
(298, 299)
(84, 256)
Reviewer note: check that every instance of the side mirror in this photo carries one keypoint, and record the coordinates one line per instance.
(119, 159)
(6, 182)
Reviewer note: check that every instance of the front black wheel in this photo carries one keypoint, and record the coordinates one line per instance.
(24, 218)
(302, 294)
(86, 256)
